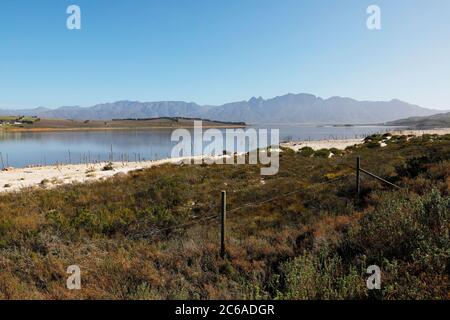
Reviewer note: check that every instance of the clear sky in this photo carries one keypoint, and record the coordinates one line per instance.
(217, 51)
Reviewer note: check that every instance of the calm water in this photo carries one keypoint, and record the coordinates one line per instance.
(19, 149)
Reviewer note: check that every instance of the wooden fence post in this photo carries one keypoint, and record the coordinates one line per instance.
(358, 179)
(223, 220)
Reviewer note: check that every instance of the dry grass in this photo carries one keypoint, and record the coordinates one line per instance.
(313, 244)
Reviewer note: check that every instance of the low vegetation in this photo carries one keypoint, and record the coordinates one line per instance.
(441, 120)
(20, 123)
(17, 121)
(108, 167)
(152, 234)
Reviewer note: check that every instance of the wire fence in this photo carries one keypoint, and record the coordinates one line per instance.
(213, 214)
(254, 204)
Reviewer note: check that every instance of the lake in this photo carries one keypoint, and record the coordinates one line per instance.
(20, 149)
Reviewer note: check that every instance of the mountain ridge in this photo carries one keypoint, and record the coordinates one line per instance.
(290, 108)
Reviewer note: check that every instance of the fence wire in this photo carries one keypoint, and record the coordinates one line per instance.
(258, 203)
(215, 215)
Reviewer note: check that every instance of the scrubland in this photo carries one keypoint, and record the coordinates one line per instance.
(152, 234)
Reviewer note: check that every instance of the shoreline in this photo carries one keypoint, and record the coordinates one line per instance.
(52, 176)
(344, 143)
(116, 128)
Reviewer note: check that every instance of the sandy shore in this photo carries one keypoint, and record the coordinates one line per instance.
(342, 144)
(15, 179)
(322, 144)
(415, 132)
(12, 180)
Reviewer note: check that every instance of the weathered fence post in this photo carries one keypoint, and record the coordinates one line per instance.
(1, 157)
(358, 179)
(223, 220)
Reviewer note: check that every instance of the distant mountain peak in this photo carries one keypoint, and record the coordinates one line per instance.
(255, 99)
(397, 101)
(289, 108)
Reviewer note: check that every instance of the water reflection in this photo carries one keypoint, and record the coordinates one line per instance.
(19, 149)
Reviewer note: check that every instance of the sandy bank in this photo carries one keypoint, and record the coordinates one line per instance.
(53, 176)
(417, 133)
(322, 144)
(342, 144)
(15, 179)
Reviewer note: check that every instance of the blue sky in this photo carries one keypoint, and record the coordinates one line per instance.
(217, 51)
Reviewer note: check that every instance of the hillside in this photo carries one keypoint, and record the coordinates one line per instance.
(441, 120)
(153, 234)
(290, 108)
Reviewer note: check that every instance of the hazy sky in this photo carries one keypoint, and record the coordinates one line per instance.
(217, 51)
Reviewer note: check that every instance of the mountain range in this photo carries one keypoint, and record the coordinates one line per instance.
(289, 108)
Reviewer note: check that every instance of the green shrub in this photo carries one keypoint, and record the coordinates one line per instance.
(336, 152)
(372, 144)
(108, 167)
(306, 151)
(408, 235)
(322, 276)
(322, 153)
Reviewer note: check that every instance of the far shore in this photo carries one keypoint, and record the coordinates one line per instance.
(16, 179)
(20, 124)
(80, 129)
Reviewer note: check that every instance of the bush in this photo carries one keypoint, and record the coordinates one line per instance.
(322, 276)
(322, 153)
(336, 152)
(372, 144)
(108, 167)
(307, 151)
(374, 138)
(390, 230)
(407, 234)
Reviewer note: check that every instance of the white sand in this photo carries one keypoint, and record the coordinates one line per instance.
(12, 180)
(52, 176)
(418, 133)
(342, 144)
(322, 144)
